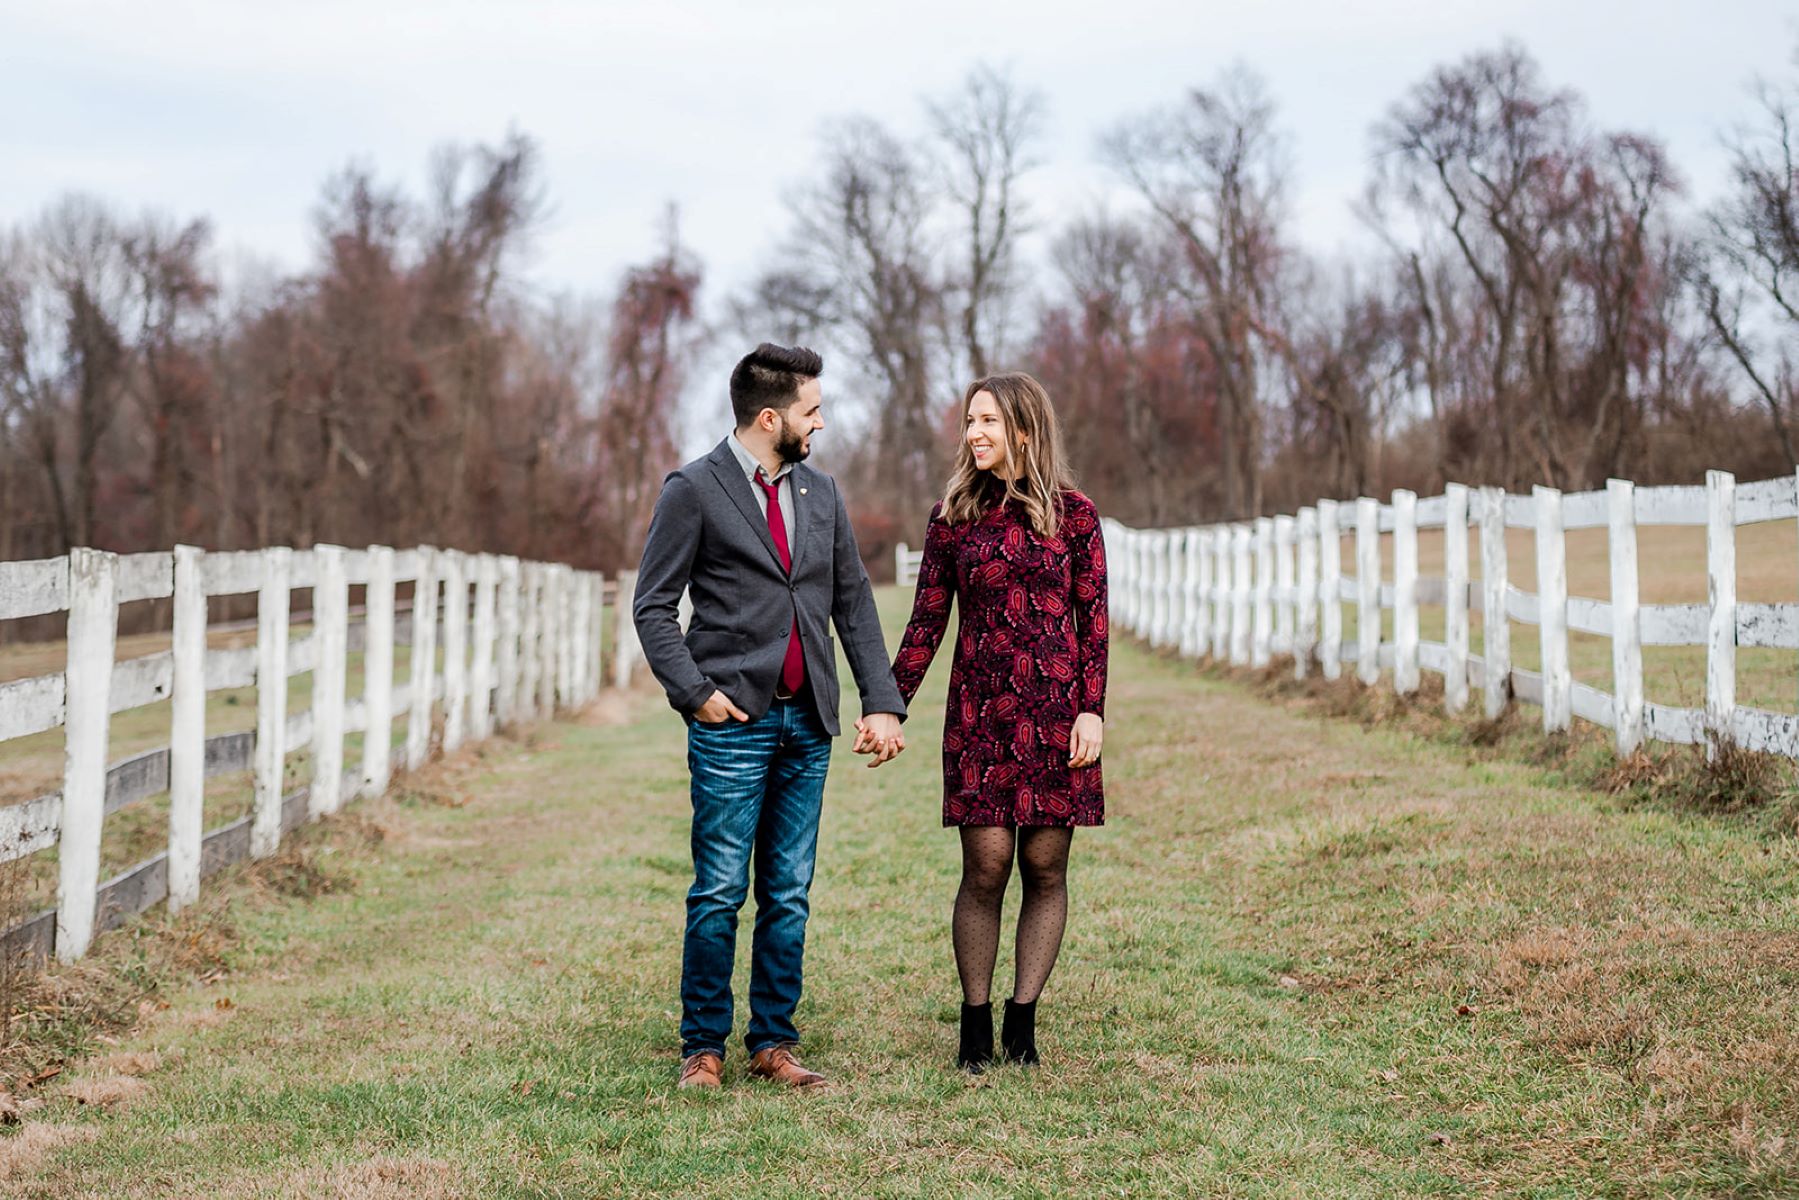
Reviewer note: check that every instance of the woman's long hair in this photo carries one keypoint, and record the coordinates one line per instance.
(1039, 471)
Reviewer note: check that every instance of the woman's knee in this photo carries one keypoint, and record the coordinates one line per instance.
(986, 879)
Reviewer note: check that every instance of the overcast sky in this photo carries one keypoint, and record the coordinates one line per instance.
(239, 111)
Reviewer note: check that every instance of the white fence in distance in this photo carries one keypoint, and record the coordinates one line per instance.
(1243, 592)
(535, 647)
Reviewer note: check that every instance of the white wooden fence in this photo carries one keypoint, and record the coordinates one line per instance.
(1246, 591)
(535, 646)
(906, 562)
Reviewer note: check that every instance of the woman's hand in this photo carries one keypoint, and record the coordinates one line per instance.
(1084, 742)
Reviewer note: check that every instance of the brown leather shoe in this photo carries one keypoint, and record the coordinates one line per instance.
(778, 1065)
(701, 1070)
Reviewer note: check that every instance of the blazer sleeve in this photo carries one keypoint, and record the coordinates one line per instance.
(668, 553)
(858, 623)
(931, 603)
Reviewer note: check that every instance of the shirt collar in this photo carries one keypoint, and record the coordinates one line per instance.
(747, 461)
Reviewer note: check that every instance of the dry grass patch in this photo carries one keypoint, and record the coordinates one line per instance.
(106, 1091)
(382, 1177)
(23, 1152)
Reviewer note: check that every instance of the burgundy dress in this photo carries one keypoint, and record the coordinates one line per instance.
(1030, 656)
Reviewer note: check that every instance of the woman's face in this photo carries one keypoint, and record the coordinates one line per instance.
(986, 433)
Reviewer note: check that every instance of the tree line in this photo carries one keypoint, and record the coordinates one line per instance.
(1546, 303)
(406, 388)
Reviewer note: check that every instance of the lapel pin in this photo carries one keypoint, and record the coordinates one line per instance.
(802, 491)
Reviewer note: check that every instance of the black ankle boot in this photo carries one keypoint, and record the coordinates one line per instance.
(977, 1037)
(1018, 1036)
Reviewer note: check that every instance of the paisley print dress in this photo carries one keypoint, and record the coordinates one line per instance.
(1030, 656)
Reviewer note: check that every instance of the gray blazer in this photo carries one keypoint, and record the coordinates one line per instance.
(709, 535)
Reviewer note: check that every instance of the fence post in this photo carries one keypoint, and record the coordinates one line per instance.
(899, 564)
(546, 641)
(423, 668)
(530, 658)
(1455, 600)
(1222, 585)
(583, 621)
(625, 638)
(1263, 625)
(1306, 618)
(1283, 584)
(1405, 591)
(1721, 628)
(455, 602)
(1240, 594)
(480, 713)
(1495, 621)
(87, 689)
(1143, 595)
(1627, 632)
(1198, 611)
(330, 645)
(1367, 569)
(1174, 562)
(506, 698)
(378, 671)
(597, 660)
(271, 699)
(1330, 589)
(1552, 609)
(565, 635)
(187, 730)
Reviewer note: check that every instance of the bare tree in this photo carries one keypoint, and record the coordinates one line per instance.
(861, 236)
(987, 133)
(1748, 272)
(1212, 171)
(1554, 225)
(172, 290)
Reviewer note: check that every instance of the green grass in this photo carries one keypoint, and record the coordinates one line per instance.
(1305, 958)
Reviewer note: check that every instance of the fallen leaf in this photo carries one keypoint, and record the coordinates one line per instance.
(1287, 981)
(1389, 1075)
(524, 1089)
(223, 1002)
(1464, 1010)
(1437, 1138)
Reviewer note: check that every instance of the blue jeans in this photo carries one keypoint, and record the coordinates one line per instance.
(757, 792)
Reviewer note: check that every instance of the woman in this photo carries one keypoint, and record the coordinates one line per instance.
(1021, 738)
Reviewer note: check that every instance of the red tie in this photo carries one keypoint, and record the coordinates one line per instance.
(793, 669)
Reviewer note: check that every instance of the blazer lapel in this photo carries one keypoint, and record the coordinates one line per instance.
(725, 470)
(799, 484)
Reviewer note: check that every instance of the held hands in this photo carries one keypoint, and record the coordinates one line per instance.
(718, 709)
(879, 734)
(1084, 741)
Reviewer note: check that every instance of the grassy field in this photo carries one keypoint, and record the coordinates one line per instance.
(1306, 958)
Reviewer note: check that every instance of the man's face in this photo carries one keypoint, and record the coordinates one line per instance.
(803, 418)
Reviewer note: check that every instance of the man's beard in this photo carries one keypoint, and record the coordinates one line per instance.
(790, 445)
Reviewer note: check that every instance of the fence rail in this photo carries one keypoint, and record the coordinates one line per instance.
(535, 646)
(1243, 592)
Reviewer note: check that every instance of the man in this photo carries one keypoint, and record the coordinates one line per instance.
(764, 544)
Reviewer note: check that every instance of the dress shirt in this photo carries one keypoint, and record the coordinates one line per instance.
(783, 486)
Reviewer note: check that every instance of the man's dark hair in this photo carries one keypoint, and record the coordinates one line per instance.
(770, 376)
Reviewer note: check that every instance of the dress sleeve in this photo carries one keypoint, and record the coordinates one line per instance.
(1087, 554)
(930, 606)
